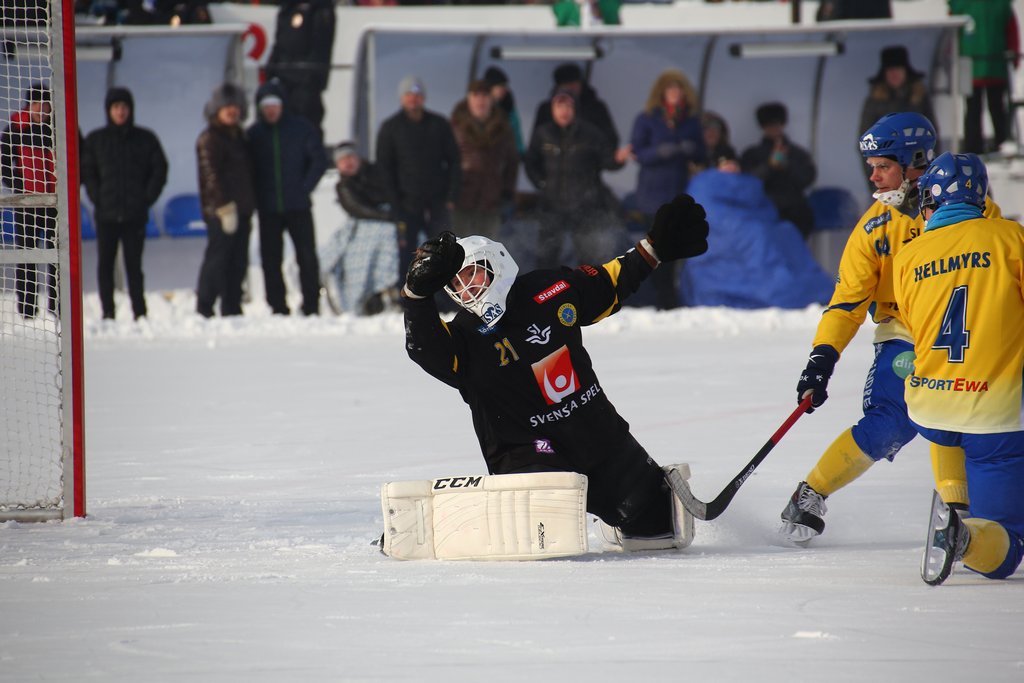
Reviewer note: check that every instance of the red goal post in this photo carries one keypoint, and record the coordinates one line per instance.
(42, 436)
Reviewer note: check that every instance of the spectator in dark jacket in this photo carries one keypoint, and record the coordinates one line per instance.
(27, 164)
(589, 106)
(786, 170)
(124, 170)
(666, 141)
(420, 167)
(227, 198)
(490, 163)
(288, 159)
(564, 162)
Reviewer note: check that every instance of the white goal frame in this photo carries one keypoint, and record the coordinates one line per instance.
(52, 44)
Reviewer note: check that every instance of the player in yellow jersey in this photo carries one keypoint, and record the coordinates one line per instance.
(960, 289)
(897, 148)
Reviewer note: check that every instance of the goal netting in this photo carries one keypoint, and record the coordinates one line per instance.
(41, 431)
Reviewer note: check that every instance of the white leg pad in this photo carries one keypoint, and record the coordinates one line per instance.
(682, 522)
(496, 517)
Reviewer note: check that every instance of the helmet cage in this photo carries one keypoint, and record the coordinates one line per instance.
(954, 179)
(487, 301)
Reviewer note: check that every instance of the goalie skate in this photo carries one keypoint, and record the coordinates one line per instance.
(946, 543)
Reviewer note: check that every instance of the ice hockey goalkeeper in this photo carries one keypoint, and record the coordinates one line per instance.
(515, 353)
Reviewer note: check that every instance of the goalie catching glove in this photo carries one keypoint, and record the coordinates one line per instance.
(680, 230)
(436, 262)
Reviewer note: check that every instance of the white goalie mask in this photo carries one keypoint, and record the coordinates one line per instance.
(484, 280)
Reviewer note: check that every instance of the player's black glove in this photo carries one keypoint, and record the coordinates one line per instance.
(815, 376)
(680, 229)
(436, 262)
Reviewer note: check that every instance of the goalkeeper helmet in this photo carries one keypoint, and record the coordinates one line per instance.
(482, 284)
(954, 179)
(908, 137)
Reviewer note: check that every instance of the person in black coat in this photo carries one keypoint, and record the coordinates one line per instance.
(288, 162)
(124, 170)
(786, 169)
(564, 162)
(420, 166)
(590, 107)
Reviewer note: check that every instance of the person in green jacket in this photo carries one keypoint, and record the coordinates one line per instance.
(990, 39)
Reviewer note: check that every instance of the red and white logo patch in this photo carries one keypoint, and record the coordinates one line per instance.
(554, 289)
(555, 376)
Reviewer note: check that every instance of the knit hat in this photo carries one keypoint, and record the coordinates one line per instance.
(772, 112)
(495, 76)
(345, 149)
(224, 96)
(568, 73)
(271, 92)
(411, 84)
(563, 94)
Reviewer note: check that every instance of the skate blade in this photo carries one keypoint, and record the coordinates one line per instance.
(797, 534)
(937, 561)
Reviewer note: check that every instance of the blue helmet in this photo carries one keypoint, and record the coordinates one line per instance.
(908, 137)
(954, 179)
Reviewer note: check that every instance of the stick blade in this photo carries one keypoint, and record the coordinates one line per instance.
(681, 488)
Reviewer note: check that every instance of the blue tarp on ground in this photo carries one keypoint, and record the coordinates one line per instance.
(754, 258)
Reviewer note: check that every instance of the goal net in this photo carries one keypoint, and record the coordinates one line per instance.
(41, 430)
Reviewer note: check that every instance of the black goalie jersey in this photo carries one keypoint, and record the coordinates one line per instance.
(536, 402)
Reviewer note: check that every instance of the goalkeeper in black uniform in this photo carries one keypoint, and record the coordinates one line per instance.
(515, 353)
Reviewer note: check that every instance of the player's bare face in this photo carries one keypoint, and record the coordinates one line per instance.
(470, 282)
(886, 174)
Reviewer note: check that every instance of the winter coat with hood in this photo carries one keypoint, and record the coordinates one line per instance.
(124, 168)
(225, 168)
(288, 157)
(490, 161)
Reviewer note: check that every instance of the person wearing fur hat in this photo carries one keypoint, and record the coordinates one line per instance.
(666, 141)
(490, 162)
(288, 159)
(227, 198)
(786, 169)
(897, 86)
(27, 162)
(124, 170)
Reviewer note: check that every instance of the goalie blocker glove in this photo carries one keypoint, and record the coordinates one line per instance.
(436, 262)
(680, 230)
(815, 376)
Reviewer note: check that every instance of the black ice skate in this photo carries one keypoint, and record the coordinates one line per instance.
(946, 543)
(802, 518)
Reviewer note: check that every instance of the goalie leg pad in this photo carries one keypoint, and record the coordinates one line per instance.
(497, 517)
(682, 524)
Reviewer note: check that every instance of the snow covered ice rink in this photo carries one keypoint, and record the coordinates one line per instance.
(234, 469)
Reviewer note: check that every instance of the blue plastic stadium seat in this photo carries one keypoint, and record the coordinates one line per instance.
(88, 229)
(183, 218)
(6, 226)
(834, 208)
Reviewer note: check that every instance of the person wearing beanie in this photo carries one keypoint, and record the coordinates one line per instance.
(786, 169)
(490, 163)
(288, 161)
(897, 86)
(502, 95)
(26, 157)
(227, 198)
(124, 170)
(359, 262)
(591, 108)
(420, 166)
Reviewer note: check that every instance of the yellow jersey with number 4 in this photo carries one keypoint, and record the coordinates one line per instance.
(960, 291)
